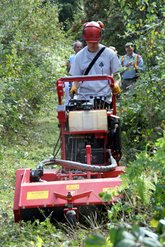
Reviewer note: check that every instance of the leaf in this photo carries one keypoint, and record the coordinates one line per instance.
(116, 234)
(154, 223)
(142, 8)
(128, 11)
(95, 240)
(149, 233)
(161, 226)
(128, 235)
(149, 242)
(126, 243)
(106, 196)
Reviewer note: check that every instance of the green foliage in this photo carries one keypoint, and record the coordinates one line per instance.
(142, 201)
(37, 144)
(95, 240)
(75, 29)
(110, 14)
(30, 234)
(127, 236)
(67, 11)
(33, 52)
(145, 26)
(144, 180)
(142, 109)
(142, 114)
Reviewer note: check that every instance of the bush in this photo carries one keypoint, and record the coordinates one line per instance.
(142, 115)
(33, 51)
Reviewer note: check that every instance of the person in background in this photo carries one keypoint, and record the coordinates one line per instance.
(113, 48)
(131, 63)
(77, 46)
(107, 63)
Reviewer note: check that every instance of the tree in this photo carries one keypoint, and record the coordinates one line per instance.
(33, 48)
(67, 10)
(143, 110)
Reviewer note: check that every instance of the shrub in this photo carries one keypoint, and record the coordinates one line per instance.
(33, 51)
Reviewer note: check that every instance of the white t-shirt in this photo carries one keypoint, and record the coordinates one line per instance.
(107, 63)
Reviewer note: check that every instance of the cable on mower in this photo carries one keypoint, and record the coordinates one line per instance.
(55, 150)
(80, 166)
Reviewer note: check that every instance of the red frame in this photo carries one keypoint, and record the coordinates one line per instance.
(60, 85)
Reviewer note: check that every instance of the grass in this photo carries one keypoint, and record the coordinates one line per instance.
(26, 151)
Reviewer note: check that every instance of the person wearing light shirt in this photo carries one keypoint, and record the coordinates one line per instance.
(132, 64)
(77, 46)
(107, 63)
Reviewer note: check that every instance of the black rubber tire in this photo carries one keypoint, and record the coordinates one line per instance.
(71, 217)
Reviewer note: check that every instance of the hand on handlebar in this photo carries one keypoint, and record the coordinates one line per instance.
(73, 90)
(116, 89)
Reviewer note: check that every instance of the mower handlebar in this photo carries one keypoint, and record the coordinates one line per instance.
(94, 78)
(87, 78)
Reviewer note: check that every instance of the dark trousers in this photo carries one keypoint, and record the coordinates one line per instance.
(128, 84)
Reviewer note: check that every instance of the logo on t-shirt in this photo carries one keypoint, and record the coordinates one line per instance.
(101, 64)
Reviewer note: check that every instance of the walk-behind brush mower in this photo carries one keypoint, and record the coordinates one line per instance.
(67, 188)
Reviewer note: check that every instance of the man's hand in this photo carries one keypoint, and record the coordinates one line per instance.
(128, 64)
(73, 90)
(136, 67)
(116, 89)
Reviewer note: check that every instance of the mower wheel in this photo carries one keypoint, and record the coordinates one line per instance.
(71, 217)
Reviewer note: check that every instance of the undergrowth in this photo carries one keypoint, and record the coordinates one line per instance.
(136, 220)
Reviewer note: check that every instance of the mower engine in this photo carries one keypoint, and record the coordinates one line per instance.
(91, 122)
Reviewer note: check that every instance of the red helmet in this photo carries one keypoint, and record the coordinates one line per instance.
(92, 31)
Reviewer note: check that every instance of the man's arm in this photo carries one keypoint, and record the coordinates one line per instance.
(75, 70)
(140, 64)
